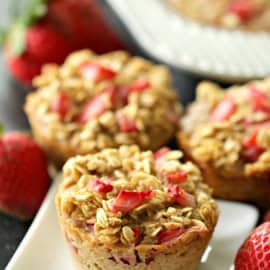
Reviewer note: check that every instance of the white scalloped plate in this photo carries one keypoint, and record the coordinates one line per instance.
(44, 248)
(217, 53)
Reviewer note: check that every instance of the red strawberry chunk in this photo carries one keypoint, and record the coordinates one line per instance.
(259, 100)
(180, 196)
(252, 153)
(123, 93)
(97, 105)
(167, 236)
(224, 110)
(251, 140)
(61, 105)
(140, 85)
(251, 150)
(100, 186)
(137, 86)
(90, 227)
(176, 177)
(254, 254)
(137, 234)
(243, 9)
(96, 72)
(161, 153)
(126, 124)
(160, 156)
(129, 200)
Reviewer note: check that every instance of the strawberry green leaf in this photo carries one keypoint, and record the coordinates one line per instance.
(34, 12)
(1, 129)
(31, 12)
(3, 34)
(16, 39)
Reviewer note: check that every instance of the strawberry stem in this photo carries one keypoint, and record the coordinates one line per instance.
(3, 34)
(1, 129)
(31, 13)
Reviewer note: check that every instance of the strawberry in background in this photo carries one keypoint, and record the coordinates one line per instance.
(46, 31)
(254, 254)
(24, 178)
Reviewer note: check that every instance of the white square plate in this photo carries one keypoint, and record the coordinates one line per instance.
(43, 247)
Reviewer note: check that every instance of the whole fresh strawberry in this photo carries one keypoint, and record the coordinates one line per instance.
(85, 20)
(24, 178)
(254, 254)
(46, 31)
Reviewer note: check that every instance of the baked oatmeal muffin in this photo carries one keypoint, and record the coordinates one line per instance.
(93, 102)
(227, 133)
(126, 209)
(252, 15)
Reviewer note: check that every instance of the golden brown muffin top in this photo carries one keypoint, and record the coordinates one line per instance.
(98, 101)
(126, 197)
(233, 130)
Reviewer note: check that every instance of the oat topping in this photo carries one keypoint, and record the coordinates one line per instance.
(233, 134)
(127, 197)
(94, 102)
(244, 14)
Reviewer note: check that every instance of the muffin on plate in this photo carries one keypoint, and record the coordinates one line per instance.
(251, 15)
(93, 102)
(227, 133)
(127, 209)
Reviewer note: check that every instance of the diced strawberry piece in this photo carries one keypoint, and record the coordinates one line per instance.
(61, 105)
(251, 140)
(96, 72)
(90, 227)
(161, 153)
(137, 234)
(97, 105)
(243, 9)
(167, 236)
(126, 124)
(128, 200)
(259, 100)
(123, 92)
(223, 111)
(252, 153)
(175, 177)
(100, 186)
(137, 86)
(140, 85)
(160, 156)
(180, 196)
(251, 150)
